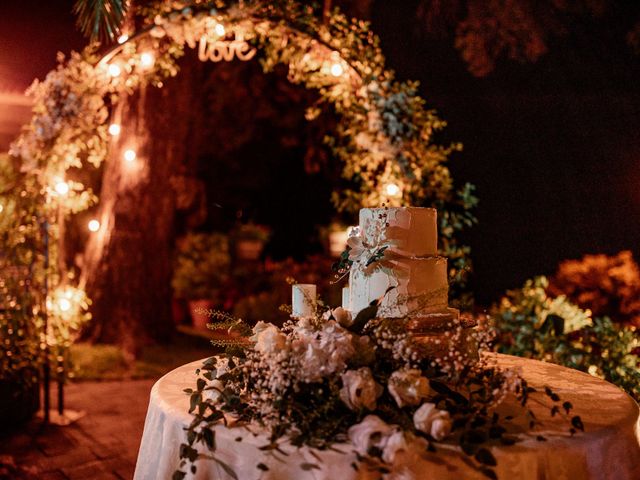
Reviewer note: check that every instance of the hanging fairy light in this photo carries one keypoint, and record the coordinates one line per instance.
(219, 29)
(337, 69)
(392, 189)
(93, 225)
(123, 38)
(130, 155)
(114, 129)
(1, 208)
(61, 187)
(114, 70)
(147, 60)
(64, 304)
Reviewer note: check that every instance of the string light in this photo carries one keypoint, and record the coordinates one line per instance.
(219, 29)
(337, 70)
(114, 129)
(1, 208)
(64, 304)
(146, 59)
(93, 225)
(62, 187)
(130, 155)
(392, 189)
(114, 70)
(123, 38)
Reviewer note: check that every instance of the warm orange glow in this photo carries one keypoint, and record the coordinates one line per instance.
(219, 29)
(337, 70)
(130, 155)
(114, 70)
(123, 38)
(93, 225)
(147, 59)
(62, 187)
(392, 189)
(114, 129)
(64, 304)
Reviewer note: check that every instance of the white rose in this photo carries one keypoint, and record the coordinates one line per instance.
(342, 316)
(359, 389)
(408, 387)
(269, 339)
(370, 432)
(430, 420)
(396, 443)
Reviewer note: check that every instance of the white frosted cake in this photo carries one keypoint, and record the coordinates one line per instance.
(412, 275)
(396, 262)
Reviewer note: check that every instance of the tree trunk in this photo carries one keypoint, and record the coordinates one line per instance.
(127, 264)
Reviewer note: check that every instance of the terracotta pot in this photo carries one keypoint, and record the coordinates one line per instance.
(249, 249)
(200, 320)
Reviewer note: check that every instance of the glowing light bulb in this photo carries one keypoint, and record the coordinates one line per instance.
(62, 187)
(114, 70)
(1, 208)
(93, 225)
(219, 29)
(114, 129)
(392, 189)
(123, 38)
(337, 70)
(130, 155)
(146, 59)
(64, 304)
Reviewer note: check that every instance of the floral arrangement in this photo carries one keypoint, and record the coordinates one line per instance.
(331, 378)
(532, 323)
(606, 285)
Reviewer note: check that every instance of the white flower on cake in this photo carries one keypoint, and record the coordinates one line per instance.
(359, 389)
(371, 432)
(434, 422)
(396, 443)
(268, 338)
(340, 315)
(408, 387)
(212, 392)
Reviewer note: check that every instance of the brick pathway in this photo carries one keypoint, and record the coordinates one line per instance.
(102, 445)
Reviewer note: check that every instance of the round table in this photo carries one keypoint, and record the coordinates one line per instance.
(609, 448)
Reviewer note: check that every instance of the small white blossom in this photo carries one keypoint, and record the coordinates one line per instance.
(370, 432)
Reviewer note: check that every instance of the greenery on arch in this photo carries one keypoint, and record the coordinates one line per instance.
(385, 136)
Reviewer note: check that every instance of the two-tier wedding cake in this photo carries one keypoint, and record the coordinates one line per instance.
(396, 263)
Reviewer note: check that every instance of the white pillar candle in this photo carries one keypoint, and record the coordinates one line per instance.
(345, 298)
(304, 300)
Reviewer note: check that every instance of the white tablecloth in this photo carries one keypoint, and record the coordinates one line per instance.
(609, 449)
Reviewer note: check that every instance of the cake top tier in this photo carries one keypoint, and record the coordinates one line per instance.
(410, 231)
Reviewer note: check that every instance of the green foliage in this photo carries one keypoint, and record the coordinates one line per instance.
(21, 275)
(100, 19)
(202, 266)
(532, 324)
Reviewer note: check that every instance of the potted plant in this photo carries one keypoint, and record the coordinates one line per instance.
(250, 240)
(201, 271)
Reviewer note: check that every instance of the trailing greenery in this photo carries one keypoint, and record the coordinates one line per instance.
(532, 324)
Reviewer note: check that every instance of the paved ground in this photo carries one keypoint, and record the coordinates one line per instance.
(102, 445)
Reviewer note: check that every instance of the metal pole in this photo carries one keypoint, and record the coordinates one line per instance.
(46, 368)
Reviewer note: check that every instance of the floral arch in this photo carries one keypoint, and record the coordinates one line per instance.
(384, 136)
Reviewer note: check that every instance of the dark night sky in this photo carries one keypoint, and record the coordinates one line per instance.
(554, 146)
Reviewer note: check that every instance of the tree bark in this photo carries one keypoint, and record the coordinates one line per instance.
(127, 265)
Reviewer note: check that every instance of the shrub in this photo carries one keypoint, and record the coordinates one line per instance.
(531, 323)
(607, 285)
